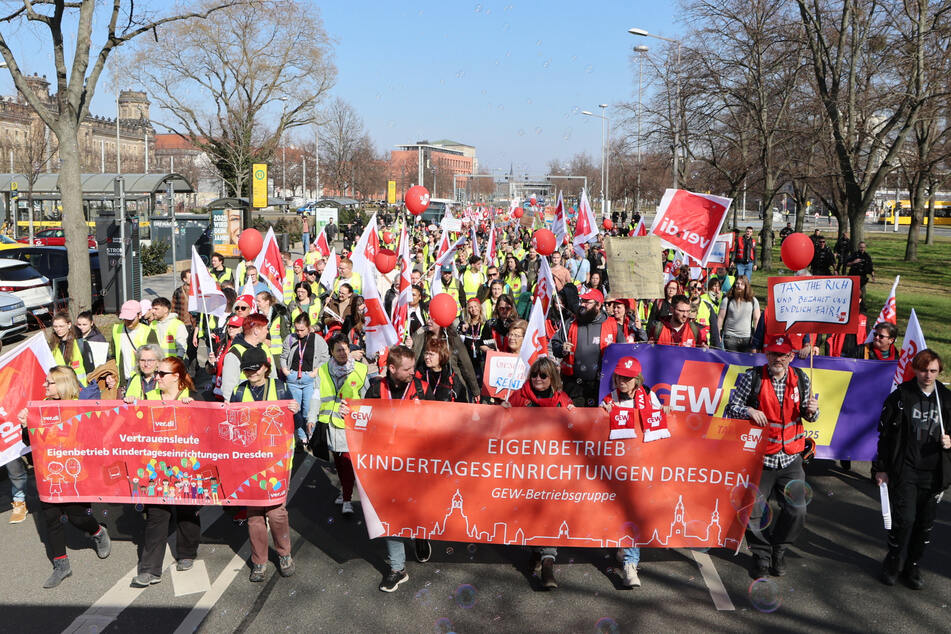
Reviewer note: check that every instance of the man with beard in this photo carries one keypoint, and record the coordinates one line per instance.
(678, 329)
(581, 350)
(776, 398)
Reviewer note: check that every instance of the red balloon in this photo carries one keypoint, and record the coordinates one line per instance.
(385, 261)
(416, 199)
(387, 237)
(249, 243)
(519, 212)
(797, 251)
(607, 224)
(443, 309)
(544, 242)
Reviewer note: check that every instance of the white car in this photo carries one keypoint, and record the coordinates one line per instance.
(12, 316)
(26, 283)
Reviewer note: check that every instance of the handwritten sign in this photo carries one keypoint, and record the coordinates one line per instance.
(501, 374)
(816, 304)
(634, 266)
(721, 249)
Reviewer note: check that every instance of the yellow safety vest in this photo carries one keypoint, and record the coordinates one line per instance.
(515, 284)
(313, 311)
(239, 275)
(329, 396)
(134, 389)
(140, 336)
(246, 396)
(355, 282)
(289, 283)
(274, 332)
(156, 395)
(168, 343)
(311, 257)
(222, 277)
(76, 363)
(471, 282)
(453, 290)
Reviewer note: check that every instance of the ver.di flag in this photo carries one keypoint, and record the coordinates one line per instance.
(330, 271)
(560, 224)
(400, 317)
(586, 227)
(690, 221)
(889, 312)
(270, 264)
(378, 328)
(22, 371)
(913, 343)
(204, 296)
(323, 246)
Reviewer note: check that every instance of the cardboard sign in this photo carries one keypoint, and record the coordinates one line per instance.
(635, 266)
(501, 374)
(813, 304)
(553, 477)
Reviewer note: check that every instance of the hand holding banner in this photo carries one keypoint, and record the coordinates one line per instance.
(817, 304)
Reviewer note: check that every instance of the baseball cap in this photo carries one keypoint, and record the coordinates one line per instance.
(247, 299)
(253, 359)
(130, 309)
(628, 366)
(446, 268)
(311, 270)
(779, 344)
(145, 305)
(594, 294)
(236, 321)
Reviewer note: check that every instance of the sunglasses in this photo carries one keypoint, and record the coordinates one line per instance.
(539, 375)
(163, 373)
(242, 308)
(879, 335)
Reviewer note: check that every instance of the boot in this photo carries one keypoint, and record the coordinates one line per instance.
(912, 574)
(890, 568)
(61, 570)
(548, 574)
(778, 569)
(103, 543)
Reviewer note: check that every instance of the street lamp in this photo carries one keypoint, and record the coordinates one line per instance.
(283, 150)
(644, 33)
(605, 123)
(642, 50)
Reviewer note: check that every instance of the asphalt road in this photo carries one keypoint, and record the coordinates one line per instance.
(831, 584)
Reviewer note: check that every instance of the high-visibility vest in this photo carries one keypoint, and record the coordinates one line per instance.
(311, 257)
(240, 349)
(274, 332)
(224, 276)
(156, 395)
(245, 392)
(471, 282)
(329, 396)
(76, 363)
(355, 282)
(168, 343)
(134, 388)
(514, 282)
(313, 311)
(239, 275)
(289, 283)
(453, 290)
(140, 336)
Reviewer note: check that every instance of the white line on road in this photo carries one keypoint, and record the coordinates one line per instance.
(120, 596)
(721, 598)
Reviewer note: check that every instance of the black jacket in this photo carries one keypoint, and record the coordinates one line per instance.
(894, 426)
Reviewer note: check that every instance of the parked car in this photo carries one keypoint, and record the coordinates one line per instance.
(28, 284)
(54, 238)
(12, 316)
(53, 263)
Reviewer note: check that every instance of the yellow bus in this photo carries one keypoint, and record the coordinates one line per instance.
(942, 213)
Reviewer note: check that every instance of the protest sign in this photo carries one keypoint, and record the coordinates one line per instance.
(634, 266)
(22, 371)
(501, 374)
(720, 254)
(451, 224)
(690, 222)
(815, 303)
(479, 473)
(156, 452)
(851, 391)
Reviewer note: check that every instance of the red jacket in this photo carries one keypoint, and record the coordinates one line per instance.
(526, 397)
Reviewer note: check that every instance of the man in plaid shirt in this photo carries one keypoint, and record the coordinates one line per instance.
(777, 398)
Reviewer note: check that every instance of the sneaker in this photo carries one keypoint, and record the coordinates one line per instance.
(629, 576)
(424, 550)
(19, 512)
(548, 574)
(393, 580)
(778, 569)
(257, 573)
(890, 569)
(286, 566)
(103, 543)
(347, 508)
(184, 564)
(61, 570)
(913, 578)
(145, 579)
(339, 500)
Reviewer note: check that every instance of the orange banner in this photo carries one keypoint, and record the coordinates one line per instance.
(531, 477)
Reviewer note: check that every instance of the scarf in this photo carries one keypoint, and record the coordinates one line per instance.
(627, 412)
(548, 398)
(339, 372)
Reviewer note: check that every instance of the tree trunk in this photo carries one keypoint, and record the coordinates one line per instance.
(765, 244)
(917, 203)
(929, 232)
(74, 221)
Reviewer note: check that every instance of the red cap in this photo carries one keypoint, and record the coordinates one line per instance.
(594, 294)
(778, 343)
(299, 262)
(247, 299)
(236, 321)
(628, 366)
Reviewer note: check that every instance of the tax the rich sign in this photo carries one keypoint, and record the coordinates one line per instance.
(156, 452)
(533, 477)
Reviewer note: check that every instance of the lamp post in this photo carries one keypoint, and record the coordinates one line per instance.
(676, 126)
(283, 150)
(605, 165)
(642, 50)
(118, 141)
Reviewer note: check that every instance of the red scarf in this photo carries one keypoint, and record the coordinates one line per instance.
(624, 419)
(875, 355)
(526, 397)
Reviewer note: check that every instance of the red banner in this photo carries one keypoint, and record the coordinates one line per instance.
(531, 477)
(21, 379)
(162, 453)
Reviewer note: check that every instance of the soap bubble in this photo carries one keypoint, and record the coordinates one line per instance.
(465, 596)
(764, 595)
(798, 493)
(606, 625)
(443, 626)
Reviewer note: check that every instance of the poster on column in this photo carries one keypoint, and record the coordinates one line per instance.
(22, 372)
(155, 452)
(850, 391)
(481, 473)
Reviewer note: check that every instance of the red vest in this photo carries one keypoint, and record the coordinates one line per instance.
(608, 334)
(683, 338)
(408, 394)
(784, 431)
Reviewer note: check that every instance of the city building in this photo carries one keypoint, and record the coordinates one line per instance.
(431, 164)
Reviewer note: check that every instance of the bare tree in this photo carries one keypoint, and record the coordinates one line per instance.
(76, 83)
(341, 133)
(221, 79)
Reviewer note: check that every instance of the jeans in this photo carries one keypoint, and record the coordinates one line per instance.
(745, 269)
(631, 555)
(791, 519)
(305, 240)
(17, 472)
(301, 390)
(395, 553)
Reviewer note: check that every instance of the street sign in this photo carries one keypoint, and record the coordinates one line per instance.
(259, 185)
(391, 192)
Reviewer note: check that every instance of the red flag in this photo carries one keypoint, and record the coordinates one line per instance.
(586, 227)
(690, 221)
(913, 343)
(400, 315)
(322, 244)
(641, 229)
(889, 312)
(270, 264)
(560, 226)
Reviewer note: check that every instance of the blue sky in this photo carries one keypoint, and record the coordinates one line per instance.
(508, 77)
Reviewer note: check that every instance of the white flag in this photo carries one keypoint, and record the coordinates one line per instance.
(447, 257)
(330, 271)
(889, 312)
(586, 227)
(400, 316)
(490, 248)
(560, 225)
(545, 286)
(367, 247)
(270, 264)
(535, 343)
(475, 240)
(913, 343)
(204, 296)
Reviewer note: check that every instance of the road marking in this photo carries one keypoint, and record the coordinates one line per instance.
(107, 608)
(721, 598)
(190, 581)
(237, 564)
